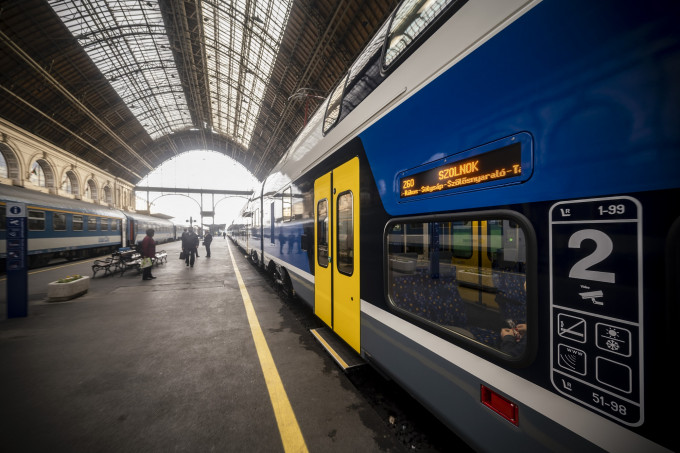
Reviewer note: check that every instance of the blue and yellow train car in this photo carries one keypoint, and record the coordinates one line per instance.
(485, 210)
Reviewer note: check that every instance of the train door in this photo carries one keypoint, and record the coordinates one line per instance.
(123, 231)
(336, 262)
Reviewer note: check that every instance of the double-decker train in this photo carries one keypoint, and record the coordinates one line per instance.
(485, 209)
(60, 227)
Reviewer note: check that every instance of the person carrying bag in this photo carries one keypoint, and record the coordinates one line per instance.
(148, 251)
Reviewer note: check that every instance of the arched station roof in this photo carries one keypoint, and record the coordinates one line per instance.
(129, 84)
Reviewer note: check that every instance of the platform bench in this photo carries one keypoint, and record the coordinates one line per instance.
(104, 265)
(132, 262)
(161, 257)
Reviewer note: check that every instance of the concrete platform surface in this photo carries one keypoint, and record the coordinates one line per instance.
(170, 365)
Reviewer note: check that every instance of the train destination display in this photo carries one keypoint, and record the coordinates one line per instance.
(494, 165)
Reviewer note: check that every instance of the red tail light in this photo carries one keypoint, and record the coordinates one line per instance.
(500, 405)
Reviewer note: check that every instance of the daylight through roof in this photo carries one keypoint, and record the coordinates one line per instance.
(127, 40)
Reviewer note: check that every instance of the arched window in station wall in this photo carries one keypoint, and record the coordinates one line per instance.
(41, 174)
(9, 165)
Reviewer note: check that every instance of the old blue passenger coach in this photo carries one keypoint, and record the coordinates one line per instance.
(59, 227)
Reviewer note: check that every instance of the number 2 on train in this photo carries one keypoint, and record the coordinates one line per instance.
(603, 248)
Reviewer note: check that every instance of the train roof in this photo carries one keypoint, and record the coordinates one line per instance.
(149, 218)
(43, 200)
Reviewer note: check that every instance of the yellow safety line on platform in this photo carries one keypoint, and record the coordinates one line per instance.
(291, 436)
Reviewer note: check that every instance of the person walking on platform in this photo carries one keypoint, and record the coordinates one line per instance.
(148, 250)
(190, 247)
(206, 241)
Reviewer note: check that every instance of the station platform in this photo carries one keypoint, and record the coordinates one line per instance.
(199, 359)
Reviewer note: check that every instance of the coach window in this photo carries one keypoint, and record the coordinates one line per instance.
(104, 225)
(77, 223)
(91, 223)
(36, 220)
(345, 235)
(411, 21)
(462, 277)
(322, 232)
(59, 221)
(114, 225)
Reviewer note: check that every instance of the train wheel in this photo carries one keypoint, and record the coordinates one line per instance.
(35, 261)
(286, 283)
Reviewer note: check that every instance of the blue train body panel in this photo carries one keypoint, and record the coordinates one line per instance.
(597, 93)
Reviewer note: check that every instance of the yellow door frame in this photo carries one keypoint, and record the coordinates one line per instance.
(337, 299)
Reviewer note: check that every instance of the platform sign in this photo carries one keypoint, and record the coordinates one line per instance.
(17, 260)
(596, 305)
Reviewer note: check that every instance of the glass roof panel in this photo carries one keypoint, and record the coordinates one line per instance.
(242, 40)
(128, 41)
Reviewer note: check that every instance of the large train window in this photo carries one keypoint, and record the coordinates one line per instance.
(364, 75)
(345, 235)
(412, 22)
(333, 109)
(91, 223)
(36, 220)
(114, 225)
(77, 223)
(463, 277)
(59, 221)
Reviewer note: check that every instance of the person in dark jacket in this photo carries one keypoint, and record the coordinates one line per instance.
(148, 250)
(206, 241)
(190, 247)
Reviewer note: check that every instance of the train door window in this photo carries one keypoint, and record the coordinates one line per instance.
(77, 223)
(412, 21)
(467, 280)
(333, 109)
(59, 221)
(345, 235)
(91, 223)
(36, 220)
(322, 232)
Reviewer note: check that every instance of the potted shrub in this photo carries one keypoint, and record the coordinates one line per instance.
(68, 288)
